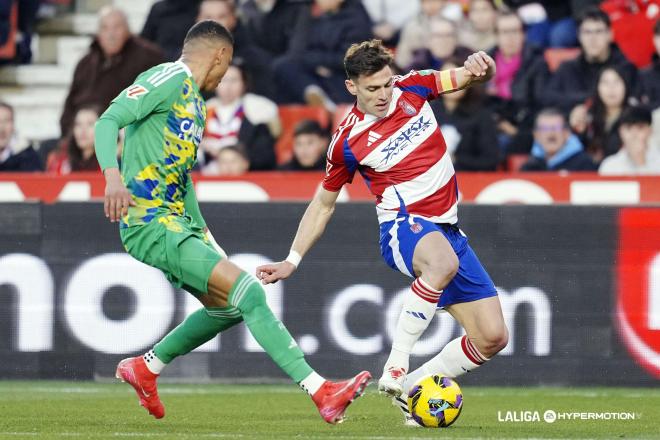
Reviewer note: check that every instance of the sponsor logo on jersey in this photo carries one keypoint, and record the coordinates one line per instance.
(404, 139)
(188, 127)
(135, 91)
(407, 107)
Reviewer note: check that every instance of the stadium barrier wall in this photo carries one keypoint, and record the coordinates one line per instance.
(580, 289)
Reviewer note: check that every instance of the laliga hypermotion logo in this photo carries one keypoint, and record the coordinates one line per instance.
(638, 286)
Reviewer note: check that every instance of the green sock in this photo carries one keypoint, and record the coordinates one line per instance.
(248, 296)
(198, 328)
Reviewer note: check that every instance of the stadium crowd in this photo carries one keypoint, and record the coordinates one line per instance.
(577, 86)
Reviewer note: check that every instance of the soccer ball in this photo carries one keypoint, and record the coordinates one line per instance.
(435, 401)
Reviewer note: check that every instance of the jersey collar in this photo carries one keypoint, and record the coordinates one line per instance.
(185, 67)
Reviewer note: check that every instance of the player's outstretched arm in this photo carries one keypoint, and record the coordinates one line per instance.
(478, 68)
(310, 229)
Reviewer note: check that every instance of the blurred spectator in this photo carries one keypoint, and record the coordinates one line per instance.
(76, 151)
(650, 77)
(555, 147)
(415, 33)
(636, 155)
(468, 127)
(12, 156)
(167, 24)
(17, 23)
(313, 70)
(231, 161)
(632, 26)
(310, 142)
(271, 25)
(478, 31)
(550, 23)
(597, 122)
(235, 116)
(441, 44)
(389, 16)
(114, 59)
(573, 81)
(517, 88)
(254, 60)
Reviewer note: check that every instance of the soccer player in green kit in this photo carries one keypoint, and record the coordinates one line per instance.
(160, 223)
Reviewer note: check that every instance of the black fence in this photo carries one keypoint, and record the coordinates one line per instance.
(73, 303)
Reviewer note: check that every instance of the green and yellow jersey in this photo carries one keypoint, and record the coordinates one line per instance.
(164, 115)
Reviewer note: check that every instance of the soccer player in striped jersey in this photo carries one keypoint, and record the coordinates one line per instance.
(161, 225)
(393, 139)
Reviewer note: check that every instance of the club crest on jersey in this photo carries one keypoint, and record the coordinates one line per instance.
(416, 228)
(135, 91)
(407, 107)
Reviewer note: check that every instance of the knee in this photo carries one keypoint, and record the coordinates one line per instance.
(438, 273)
(493, 342)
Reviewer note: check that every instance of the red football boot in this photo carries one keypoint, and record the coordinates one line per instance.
(135, 372)
(333, 398)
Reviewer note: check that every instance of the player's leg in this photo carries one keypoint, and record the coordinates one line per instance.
(472, 300)
(230, 286)
(172, 253)
(435, 263)
(486, 334)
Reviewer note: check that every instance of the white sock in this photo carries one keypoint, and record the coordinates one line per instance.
(418, 309)
(154, 364)
(459, 356)
(312, 383)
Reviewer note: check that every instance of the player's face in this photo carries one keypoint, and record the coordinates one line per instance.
(222, 60)
(373, 92)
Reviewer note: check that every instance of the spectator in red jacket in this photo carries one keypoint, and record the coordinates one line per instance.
(114, 59)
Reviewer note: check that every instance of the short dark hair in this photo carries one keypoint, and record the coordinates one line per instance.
(366, 58)
(551, 111)
(208, 29)
(636, 115)
(594, 13)
(8, 106)
(309, 126)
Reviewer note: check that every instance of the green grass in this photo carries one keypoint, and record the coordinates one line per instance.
(43, 410)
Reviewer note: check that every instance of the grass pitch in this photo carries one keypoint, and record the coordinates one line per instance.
(45, 410)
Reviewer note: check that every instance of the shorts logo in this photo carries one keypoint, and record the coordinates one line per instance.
(407, 107)
(135, 91)
(416, 228)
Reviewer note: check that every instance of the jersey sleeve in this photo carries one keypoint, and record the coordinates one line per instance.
(148, 95)
(339, 168)
(429, 84)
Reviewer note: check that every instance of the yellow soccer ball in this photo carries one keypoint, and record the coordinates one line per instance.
(435, 401)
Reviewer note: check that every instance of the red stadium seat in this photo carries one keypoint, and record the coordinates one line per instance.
(290, 115)
(515, 161)
(554, 56)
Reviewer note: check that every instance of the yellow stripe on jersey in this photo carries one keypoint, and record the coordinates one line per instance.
(446, 80)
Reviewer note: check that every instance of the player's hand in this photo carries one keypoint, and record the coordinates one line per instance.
(479, 67)
(272, 273)
(117, 198)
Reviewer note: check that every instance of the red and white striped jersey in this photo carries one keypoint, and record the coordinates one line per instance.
(402, 156)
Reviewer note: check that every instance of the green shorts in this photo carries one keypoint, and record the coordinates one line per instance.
(173, 245)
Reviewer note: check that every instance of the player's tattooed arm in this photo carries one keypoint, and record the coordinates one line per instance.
(478, 67)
